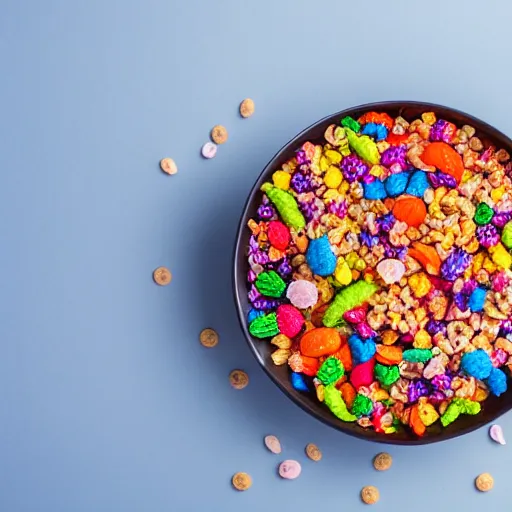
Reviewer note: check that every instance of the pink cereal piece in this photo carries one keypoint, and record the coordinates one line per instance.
(364, 330)
(289, 320)
(209, 150)
(362, 374)
(391, 270)
(302, 294)
(496, 434)
(289, 469)
(273, 444)
(498, 357)
(356, 315)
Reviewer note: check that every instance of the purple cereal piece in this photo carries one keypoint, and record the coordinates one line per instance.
(442, 382)
(501, 218)
(301, 183)
(416, 390)
(437, 397)
(339, 209)
(487, 235)
(253, 294)
(265, 212)
(440, 179)
(440, 131)
(284, 269)
(386, 222)
(251, 276)
(456, 264)
(368, 239)
(353, 168)
(265, 304)
(261, 258)
(506, 326)
(435, 326)
(394, 155)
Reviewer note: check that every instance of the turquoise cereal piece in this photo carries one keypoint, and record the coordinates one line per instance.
(377, 131)
(497, 382)
(320, 258)
(476, 364)
(349, 122)
(374, 190)
(417, 355)
(397, 183)
(254, 313)
(477, 299)
(361, 350)
(417, 184)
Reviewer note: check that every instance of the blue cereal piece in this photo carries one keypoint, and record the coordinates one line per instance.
(361, 350)
(396, 183)
(497, 382)
(298, 382)
(381, 133)
(374, 190)
(377, 131)
(477, 299)
(254, 313)
(476, 364)
(320, 258)
(417, 184)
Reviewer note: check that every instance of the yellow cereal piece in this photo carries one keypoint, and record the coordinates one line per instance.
(480, 395)
(344, 187)
(382, 146)
(478, 262)
(360, 264)
(324, 163)
(281, 180)
(343, 274)
(355, 275)
(333, 156)
(501, 256)
(320, 392)
(333, 177)
(331, 195)
(497, 193)
(422, 339)
(489, 265)
(368, 278)
(420, 284)
(389, 337)
(351, 259)
(394, 317)
(377, 171)
(428, 414)
(379, 395)
(428, 117)
(420, 314)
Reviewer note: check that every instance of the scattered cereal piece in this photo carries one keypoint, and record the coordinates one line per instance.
(484, 482)
(208, 338)
(247, 108)
(496, 434)
(370, 494)
(289, 469)
(241, 481)
(238, 379)
(273, 444)
(382, 461)
(219, 134)
(168, 165)
(162, 276)
(209, 150)
(313, 452)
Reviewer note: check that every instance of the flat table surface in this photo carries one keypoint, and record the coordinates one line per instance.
(107, 400)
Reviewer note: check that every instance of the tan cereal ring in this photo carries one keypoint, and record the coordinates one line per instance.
(219, 134)
(382, 461)
(241, 481)
(313, 452)
(484, 482)
(162, 276)
(238, 379)
(247, 108)
(208, 338)
(370, 494)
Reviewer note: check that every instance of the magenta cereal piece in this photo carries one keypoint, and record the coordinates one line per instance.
(289, 469)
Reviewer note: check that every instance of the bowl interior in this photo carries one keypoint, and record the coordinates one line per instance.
(492, 407)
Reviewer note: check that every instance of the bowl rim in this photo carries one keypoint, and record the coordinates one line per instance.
(236, 279)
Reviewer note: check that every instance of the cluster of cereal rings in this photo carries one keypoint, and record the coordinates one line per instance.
(380, 269)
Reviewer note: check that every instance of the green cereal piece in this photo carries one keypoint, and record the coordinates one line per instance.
(347, 299)
(330, 371)
(264, 326)
(333, 400)
(451, 414)
(363, 146)
(286, 206)
(270, 284)
(362, 406)
(351, 123)
(506, 235)
(483, 214)
(468, 406)
(417, 355)
(386, 375)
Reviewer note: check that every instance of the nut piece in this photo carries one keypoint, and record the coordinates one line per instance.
(219, 134)
(241, 481)
(247, 108)
(238, 379)
(484, 482)
(313, 452)
(382, 461)
(208, 338)
(370, 494)
(168, 165)
(162, 276)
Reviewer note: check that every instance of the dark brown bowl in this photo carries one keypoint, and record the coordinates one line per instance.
(492, 408)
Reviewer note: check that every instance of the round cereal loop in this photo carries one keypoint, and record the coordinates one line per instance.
(247, 108)
(313, 452)
(289, 469)
(168, 165)
(209, 150)
(219, 134)
(241, 481)
(162, 276)
(370, 494)
(382, 461)
(208, 338)
(484, 482)
(238, 379)
(273, 444)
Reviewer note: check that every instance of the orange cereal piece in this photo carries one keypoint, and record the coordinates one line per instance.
(389, 354)
(344, 355)
(389, 202)
(445, 158)
(394, 139)
(348, 393)
(415, 421)
(318, 314)
(427, 256)
(385, 119)
(410, 209)
(310, 365)
(321, 341)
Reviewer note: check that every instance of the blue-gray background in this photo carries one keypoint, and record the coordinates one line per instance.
(107, 401)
